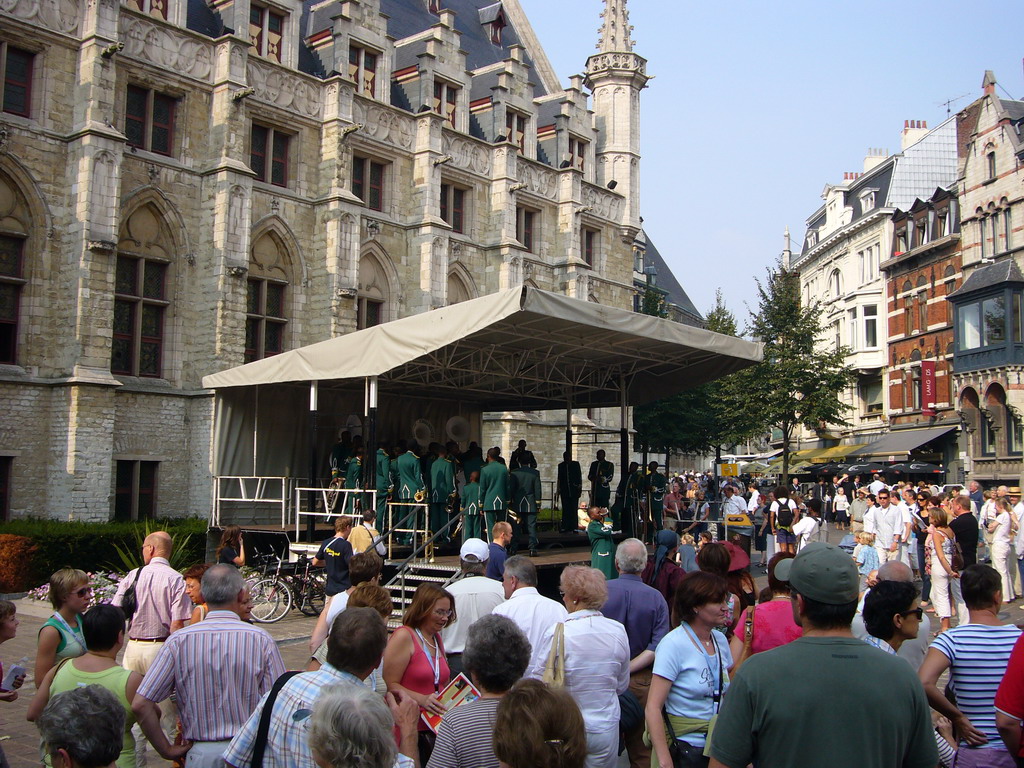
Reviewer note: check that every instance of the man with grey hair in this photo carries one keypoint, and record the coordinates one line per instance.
(218, 668)
(351, 725)
(642, 610)
(531, 611)
(82, 728)
(355, 646)
(475, 596)
(913, 650)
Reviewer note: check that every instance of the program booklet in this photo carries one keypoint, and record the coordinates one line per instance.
(15, 671)
(458, 691)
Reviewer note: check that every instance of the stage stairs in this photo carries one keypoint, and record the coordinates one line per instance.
(402, 585)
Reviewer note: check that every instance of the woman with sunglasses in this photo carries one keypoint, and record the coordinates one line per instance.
(414, 660)
(919, 514)
(892, 614)
(61, 636)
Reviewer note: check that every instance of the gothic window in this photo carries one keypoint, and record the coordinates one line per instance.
(266, 318)
(446, 97)
(526, 224)
(453, 206)
(589, 240)
(12, 281)
(266, 31)
(362, 69)
(149, 120)
(577, 153)
(368, 182)
(991, 157)
(156, 8)
(515, 129)
(141, 296)
(17, 79)
(268, 154)
(135, 490)
(374, 293)
(835, 284)
(457, 289)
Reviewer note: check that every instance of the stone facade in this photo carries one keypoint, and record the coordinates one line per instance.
(185, 187)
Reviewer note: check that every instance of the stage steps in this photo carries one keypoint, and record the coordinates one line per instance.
(403, 584)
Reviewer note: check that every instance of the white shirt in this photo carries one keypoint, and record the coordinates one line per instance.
(475, 596)
(338, 604)
(534, 614)
(1018, 543)
(1001, 535)
(808, 529)
(596, 654)
(886, 524)
(755, 500)
(877, 486)
(988, 511)
(908, 518)
(842, 502)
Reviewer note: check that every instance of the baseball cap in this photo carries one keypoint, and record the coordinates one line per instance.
(822, 572)
(474, 549)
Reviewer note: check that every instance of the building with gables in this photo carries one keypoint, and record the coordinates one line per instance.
(187, 186)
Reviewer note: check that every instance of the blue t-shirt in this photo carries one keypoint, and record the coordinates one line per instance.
(694, 675)
(978, 655)
(496, 555)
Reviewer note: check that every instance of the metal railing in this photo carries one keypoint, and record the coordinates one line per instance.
(332, 502)
(251, 489)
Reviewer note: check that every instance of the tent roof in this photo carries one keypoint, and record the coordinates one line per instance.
(519, 349)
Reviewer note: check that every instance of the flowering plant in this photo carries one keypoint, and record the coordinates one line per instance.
(104, 586)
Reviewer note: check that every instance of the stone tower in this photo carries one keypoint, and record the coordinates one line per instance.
(615, 76)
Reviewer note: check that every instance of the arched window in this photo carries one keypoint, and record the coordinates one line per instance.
(145, 251)
(458, 291)
(266, 298)
(922, 303)
(835, 283)
(14, 234)
(374, 292)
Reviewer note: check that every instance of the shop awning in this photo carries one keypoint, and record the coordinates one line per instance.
(902, 441)
(836, 452)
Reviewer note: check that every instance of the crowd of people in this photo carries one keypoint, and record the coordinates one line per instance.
(669, 654)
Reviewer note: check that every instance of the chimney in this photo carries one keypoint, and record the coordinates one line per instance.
(988, 84)
(874, 157)
(913, 132)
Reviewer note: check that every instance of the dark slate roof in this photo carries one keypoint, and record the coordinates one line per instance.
(203, 19)
(668, 282)
(878, 178)
(992, 276)
(1014, 109)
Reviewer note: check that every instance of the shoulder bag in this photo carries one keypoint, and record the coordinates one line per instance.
(129, 600)
(554, 669)
(259, 746)
(957, 561)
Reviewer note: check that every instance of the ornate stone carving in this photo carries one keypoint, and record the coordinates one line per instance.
(5, 138)
(604, 205)
(145, 40)
(467, 154)
(627, 61)
(384, 124)
(283, 89)
(59, 15)
(537, 180)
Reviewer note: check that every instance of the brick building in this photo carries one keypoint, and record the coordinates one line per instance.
(186, 186)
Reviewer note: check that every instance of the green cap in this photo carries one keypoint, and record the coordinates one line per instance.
(822, 572)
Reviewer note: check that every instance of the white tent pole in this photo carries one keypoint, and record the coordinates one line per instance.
(255, 428)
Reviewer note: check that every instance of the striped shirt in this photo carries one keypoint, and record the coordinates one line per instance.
(219, 669)
(160, 591)
(287, 739)
(978, 655)
(465, 737)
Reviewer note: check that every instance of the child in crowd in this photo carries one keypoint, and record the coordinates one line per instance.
(865, 556)
(8, 629)
(705, 538)
(687, 554)
(841, 506)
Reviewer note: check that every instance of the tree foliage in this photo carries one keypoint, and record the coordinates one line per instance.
(800, 381)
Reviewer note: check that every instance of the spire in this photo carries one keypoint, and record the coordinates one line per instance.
(615, 29)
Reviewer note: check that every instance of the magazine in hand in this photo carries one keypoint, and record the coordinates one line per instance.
(458, 691)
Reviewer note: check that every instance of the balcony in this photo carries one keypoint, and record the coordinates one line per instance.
(988, 357)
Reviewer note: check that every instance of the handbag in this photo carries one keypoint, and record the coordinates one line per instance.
(686, 755)
(129, 600)
(957, 561)
(554, 669)
(748, 638)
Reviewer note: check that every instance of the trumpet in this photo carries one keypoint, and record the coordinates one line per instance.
(420, 496)
(449, 503)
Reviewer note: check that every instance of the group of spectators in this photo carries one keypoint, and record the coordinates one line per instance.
(676, 665)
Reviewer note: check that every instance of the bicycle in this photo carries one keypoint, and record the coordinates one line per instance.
(300, 584)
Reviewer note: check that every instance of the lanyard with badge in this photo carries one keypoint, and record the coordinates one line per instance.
(435, 661)
(717, 691)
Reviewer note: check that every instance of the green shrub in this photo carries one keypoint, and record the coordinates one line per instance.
(99, 546)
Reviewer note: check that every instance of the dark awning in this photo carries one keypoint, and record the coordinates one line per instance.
(902, 441)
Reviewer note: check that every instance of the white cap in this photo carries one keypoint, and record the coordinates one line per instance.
(475, 549)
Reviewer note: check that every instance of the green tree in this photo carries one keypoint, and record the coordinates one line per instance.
(800, 380)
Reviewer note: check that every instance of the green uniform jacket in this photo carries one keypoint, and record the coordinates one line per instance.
(354, 473)
(471, 465)
(570, 480)
(442, 479)
(471, 499)
(601, 474)
(602, 549)
(526, 491)
(657, 484)
(410, 478)
(383, 471)
(494, 482)
(339, 457)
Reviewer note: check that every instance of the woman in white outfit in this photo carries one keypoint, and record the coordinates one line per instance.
(945, 581)
(1003, 527)
(596, 661)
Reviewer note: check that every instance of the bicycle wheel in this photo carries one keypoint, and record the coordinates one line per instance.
(271, 600)
(313, 596)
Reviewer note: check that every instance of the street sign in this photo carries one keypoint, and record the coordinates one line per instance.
(728, 470)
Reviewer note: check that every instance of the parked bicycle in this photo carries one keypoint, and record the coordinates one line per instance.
(283, 584)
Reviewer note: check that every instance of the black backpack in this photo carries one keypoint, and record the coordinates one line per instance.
(784, 515)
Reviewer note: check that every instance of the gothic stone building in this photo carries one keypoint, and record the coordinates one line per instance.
(188, 185)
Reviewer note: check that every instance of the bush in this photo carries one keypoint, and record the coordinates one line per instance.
(16, 557)
(95, 546)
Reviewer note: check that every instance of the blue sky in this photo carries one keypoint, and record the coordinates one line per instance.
(755, 106)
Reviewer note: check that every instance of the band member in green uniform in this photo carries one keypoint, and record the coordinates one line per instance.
(600, 477)
(410, 483)
(569, 490)
(494, 492)
(340, 453)
(602, 547)
(353, 479)
(473, 519)
(442, 485)
(384, 482)
(631, 500)
(526, 493)
(472, 461)
(657, 485)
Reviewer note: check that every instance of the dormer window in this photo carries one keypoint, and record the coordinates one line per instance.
(812, 238)
(515, 129)
(577, 153)
(266, 31)
(362, 69)
(446, 96)
(434, 6)
(493, 20)
(156, 8)
(867, 200)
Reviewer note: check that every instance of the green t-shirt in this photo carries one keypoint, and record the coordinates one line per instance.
(832, 702)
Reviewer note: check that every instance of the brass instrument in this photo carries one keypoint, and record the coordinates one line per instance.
(449, 503)
(420, 496)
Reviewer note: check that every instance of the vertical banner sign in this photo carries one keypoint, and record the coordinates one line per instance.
(928, 387)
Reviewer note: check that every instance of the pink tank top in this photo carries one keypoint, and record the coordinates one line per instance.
(419, 675)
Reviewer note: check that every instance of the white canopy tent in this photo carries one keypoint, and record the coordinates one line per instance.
(520, 349)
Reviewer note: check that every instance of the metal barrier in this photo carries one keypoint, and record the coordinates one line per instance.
(251, 489)
(333, 502)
